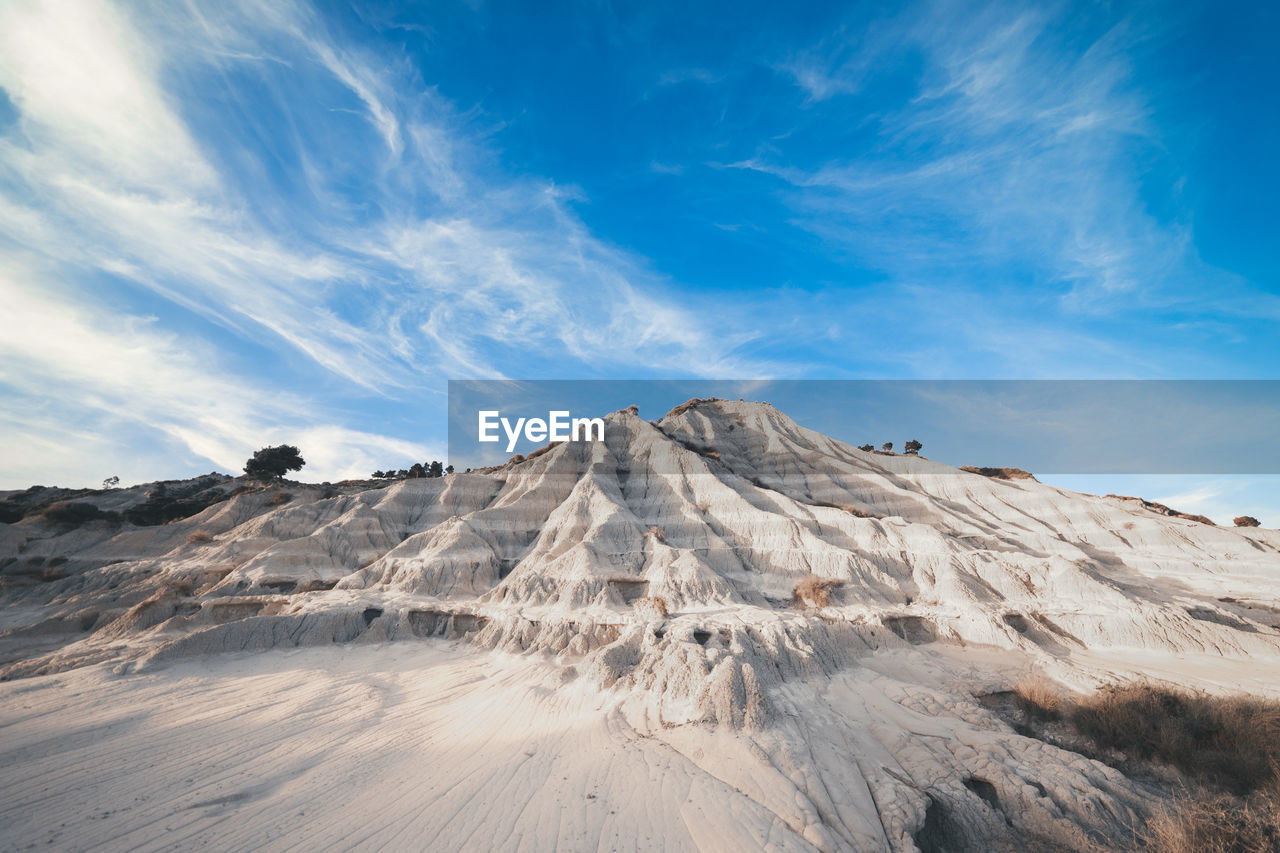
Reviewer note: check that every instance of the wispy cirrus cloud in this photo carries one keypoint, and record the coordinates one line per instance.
(238, 163)
(1016, 162)
(69, 370)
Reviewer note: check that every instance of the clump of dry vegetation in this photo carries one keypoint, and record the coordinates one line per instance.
(1230, 743)
(1216, 823)
(199, 537)
(1246, 521)
(1222, 754)
(657, 533)
(76, 513)
(278, 499)
(653, 604)
(814, 590)
(1038, 698)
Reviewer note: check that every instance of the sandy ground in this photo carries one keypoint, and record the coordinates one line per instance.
(402, 746)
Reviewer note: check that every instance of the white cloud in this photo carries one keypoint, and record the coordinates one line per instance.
(445, 266)
(1019, 149)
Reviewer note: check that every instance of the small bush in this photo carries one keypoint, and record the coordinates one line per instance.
(199, 537)
(657, 533)
(76, 513)
(1246, 521)
(1230, 743)
(655, 604)
(163, 506)
(278, 499)
(814, 590)
(1038, 697)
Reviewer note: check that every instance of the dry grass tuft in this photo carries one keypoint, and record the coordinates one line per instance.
(199, 537)
(1229, 743)
(1038, 697)
(655, 604)
(278, 499)
(1217, 757)
(657, 533)
(1216, 823)
(814, 590)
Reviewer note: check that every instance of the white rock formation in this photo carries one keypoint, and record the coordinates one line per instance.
(629, 603)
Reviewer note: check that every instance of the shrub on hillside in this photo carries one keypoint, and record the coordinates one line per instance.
(653, 606)
(814, 590)
(1038, 697)
(1223, 752)
(1246, 521)
(163, 506)
(75, 513)
(1231, 743)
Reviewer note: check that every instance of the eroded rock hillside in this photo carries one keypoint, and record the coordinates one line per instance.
(659, 568)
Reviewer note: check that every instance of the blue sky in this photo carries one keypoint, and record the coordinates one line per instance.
(230, 224)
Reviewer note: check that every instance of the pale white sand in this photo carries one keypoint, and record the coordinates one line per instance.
(404, 746)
